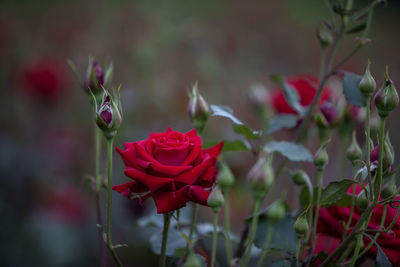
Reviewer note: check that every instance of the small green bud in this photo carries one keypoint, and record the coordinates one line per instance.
(108, 115)
(300, 177)
(389, 190)
(192, 261)
(225, 177)
(386, 99)
(301, 226)
(320, 121)
(198, 109)
(354, 151)
(215, 199)
(362, 200)
(367, 83)
(321, 158)
(276, 212)
(261, 177)
(324, 34)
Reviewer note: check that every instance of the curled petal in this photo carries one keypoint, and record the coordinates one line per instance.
(215, 150)
(170, 201)
(197, 194)
(152, 182)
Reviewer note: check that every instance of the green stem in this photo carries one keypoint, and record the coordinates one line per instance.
(298, 249)
(353, 202)
(267, 241)
(253, 228)
(368, 130)
(227, 226)
(97, 146)
(382, 224)
(109, 201)
(167, 220)
(214, 239)
(317, 206)
(359, 243)
(381, 151)
(193, 227)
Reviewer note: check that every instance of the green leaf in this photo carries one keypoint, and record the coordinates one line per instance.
(238, 126)
(237, 145)
(333, 195)
(351, 89)
(281, 121)
(293, 151)
(381, 258)
(283, 237)
(291, 95)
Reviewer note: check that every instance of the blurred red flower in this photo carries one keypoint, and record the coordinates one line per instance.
(172, 167)
(45, 79)
(331, 222)
(65, 203)
(306, 87)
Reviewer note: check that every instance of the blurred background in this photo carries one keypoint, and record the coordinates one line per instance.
(159, 49)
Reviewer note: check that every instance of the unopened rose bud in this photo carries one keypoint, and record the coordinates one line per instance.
(330, 112)
(362, 200)
(261, 177)
(276, 212)
(301, 226)
(367, 83)
(192, 261)
(320, 121)
(324, 35)
(389, 190)
(258, 97)
(215, 199)
(321, 158)
(354, 151)
(108, 116)
(300, 177)
(96, 79)
(198, 109)
(388, 155)
(225, 177)
(386, 99)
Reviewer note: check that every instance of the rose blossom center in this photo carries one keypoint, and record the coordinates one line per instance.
(171, 149)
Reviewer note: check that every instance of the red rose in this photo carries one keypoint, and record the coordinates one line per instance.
(171, 167)
(332, 219)
(306, 88)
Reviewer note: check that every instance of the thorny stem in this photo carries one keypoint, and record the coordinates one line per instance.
(253, 228)
(368, 130)
(381, 151)
(167, 220)
(97, 146)
(109, 201)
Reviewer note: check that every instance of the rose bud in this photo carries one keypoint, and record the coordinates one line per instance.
(367, 83)
(96, 79)
(301, 226)
(386, 99)
(320, 121)
(362, 200)
(388, 155)
(276, 212)
(300, 177)
(192, 261)
(225, 177)
(389, 190)
(330, 112)
(258, 97)
(198, 109)
(108, 116)
(354, 151)
(324, 34)
(261, 177)
(216, 199)
(321, 158)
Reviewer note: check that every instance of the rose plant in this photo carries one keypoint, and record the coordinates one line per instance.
(359, 216)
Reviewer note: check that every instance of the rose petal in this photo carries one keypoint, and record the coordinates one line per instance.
(215, 150)
(193, 175)
(193, 155)
(208, 178)
(197, 194)
(129, 188)
(152, 182)
(170, 201)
